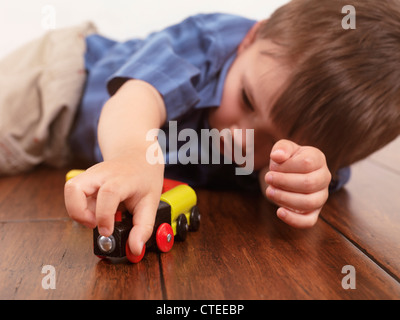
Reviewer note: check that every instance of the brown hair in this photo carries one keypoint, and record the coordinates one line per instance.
(343, 94)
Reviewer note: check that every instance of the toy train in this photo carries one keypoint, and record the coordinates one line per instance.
(177, 214)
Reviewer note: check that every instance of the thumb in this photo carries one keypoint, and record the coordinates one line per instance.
(283, 150)
(143, 224)
(138, 238)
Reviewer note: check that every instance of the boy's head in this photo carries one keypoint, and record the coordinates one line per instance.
(333, 88)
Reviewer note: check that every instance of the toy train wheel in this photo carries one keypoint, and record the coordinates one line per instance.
(182, 227)
(131, 257)
(194, 219)
(165, 237)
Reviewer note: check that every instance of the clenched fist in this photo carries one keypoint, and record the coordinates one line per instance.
(297, 181)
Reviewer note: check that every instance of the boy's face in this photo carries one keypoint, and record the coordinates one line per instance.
(253, 83)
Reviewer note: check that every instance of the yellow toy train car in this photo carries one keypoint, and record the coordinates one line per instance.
(176, 215)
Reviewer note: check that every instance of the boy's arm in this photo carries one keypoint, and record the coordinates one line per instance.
(125, 176)
(297, 180)
(127, 116)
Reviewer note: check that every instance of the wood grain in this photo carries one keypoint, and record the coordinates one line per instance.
(245, 252)
(242, 250)
(32, 196)
(367, 212)
(67, 246)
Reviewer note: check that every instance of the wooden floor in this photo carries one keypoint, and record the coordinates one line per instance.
(242, 250)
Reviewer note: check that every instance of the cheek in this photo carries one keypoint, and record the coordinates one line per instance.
(230, 110)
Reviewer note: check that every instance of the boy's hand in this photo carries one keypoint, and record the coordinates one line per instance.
(298, 181)
(93, 197)
(125, 177)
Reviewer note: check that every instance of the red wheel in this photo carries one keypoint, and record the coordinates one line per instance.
(131, 257)
(165, 237)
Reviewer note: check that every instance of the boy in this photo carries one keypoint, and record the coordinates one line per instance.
(318, 98)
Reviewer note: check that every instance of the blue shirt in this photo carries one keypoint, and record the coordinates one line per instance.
(187, 63)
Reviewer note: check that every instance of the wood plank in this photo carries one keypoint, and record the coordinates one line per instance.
(8, 184)
(243, 251)
(35, 195)
(35, 230)
(67, 246)
(367, 211)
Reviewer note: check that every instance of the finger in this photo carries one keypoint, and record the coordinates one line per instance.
(304, 160)
(76, 192)
(143, 223)
(298, 220)
(298, 201)
(283, 150)
(109, 197)
(299, 182)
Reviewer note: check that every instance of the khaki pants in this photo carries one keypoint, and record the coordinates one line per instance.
(40, 89)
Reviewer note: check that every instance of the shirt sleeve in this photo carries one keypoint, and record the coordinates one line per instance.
(177, 61)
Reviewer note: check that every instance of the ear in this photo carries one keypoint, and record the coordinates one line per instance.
(250, 36)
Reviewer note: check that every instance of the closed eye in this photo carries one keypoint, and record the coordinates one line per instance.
(246, 100)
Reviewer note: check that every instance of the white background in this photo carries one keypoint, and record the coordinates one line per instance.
(24, 20)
